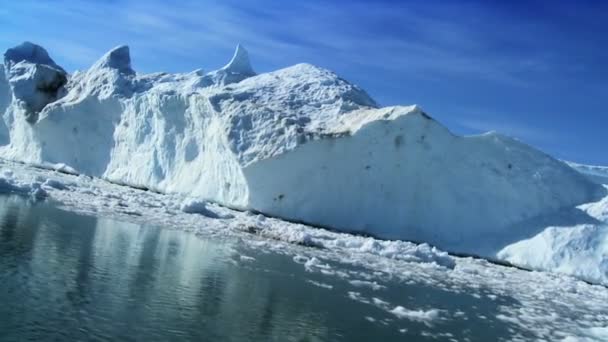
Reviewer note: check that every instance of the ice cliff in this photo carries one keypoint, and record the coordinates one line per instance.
(298, 143)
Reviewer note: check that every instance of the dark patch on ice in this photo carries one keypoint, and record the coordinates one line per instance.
(242, 96)
(334, 135)
(132, 213)
(303, 120)
(425, 115)
(52, 88)
(216, 101)
(398, 141)
(253, 229)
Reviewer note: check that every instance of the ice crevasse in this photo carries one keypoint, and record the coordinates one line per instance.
(299, 143)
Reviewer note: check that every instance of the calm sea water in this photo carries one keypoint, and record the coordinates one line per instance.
(69, 277)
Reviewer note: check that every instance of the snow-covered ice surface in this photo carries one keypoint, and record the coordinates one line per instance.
(542, 305)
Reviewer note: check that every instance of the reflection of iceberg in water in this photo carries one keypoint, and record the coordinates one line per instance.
(36, 230)
(20, 222)
(98, 276)
(192, 283)
(149, 259)
(272, 297)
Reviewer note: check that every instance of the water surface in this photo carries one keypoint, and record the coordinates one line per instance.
(71, 277)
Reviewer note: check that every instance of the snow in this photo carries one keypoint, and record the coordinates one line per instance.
(32, 188)
(364, 283)
(198, 206)
(300, 144)
(419, 315)
(321, 285)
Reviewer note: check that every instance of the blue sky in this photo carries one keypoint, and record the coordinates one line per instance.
(536, 70)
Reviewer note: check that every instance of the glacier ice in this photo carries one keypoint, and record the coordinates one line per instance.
(581, 251)
(298, 143)
(118, 59)
(238, 69)
(34, 78)
(29, 52)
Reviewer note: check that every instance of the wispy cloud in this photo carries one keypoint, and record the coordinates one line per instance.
(390, 37)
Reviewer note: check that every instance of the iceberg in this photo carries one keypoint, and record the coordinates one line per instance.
(299, 143)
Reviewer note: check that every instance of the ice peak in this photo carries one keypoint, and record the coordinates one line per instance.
(240, 63)
(417, 109)
(29, 52)
(118, 58)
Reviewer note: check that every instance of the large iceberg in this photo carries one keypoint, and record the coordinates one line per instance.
(299, 143)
